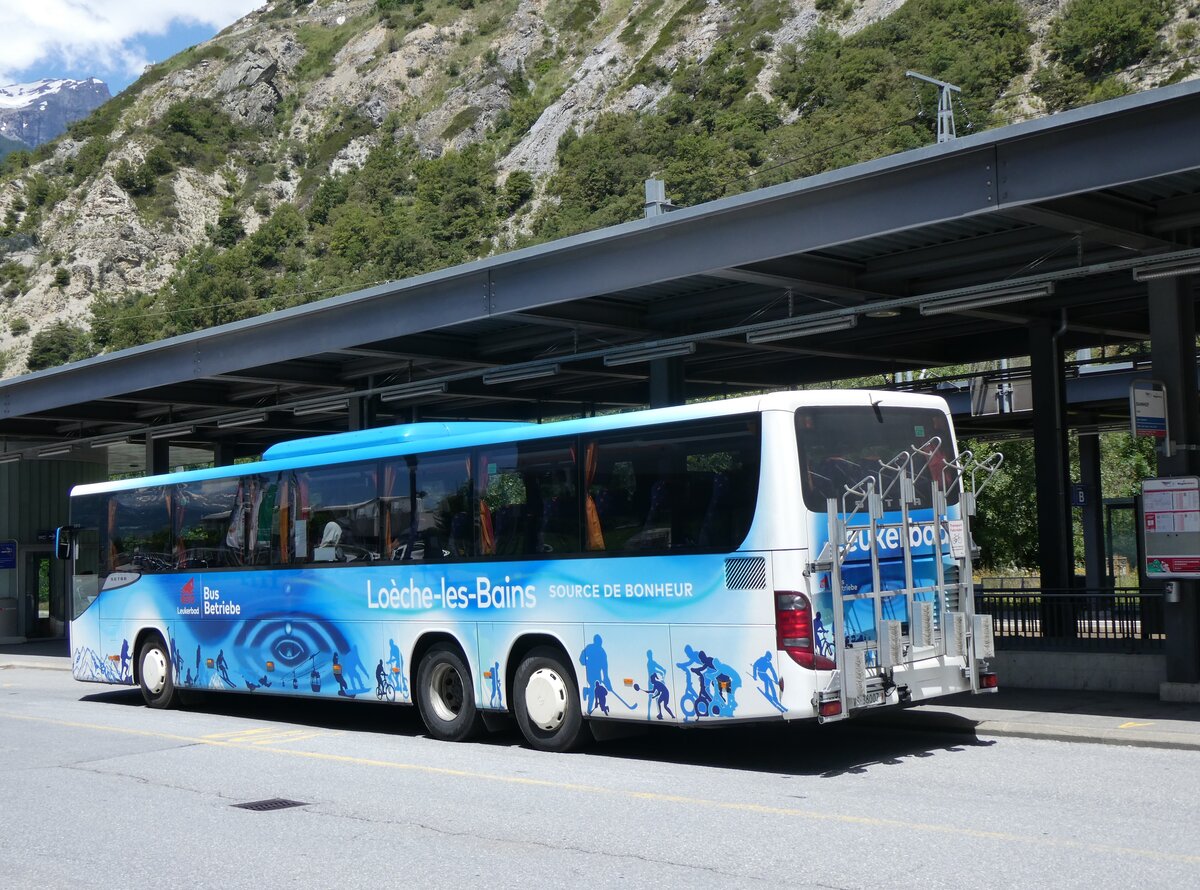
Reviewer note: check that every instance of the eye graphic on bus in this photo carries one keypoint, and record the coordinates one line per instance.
(294, 641)
(289, 651)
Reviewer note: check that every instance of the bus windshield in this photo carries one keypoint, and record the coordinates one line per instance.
(842, 444)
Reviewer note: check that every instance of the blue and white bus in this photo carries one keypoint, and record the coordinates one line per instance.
(692, 565)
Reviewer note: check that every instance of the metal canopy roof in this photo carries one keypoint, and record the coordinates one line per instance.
(1069, 204)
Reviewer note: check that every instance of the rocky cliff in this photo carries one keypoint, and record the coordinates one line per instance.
(318, 145)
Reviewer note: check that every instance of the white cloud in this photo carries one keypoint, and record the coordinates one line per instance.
(99, 35)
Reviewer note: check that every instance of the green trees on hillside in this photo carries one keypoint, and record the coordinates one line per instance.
(1091, 41)
(712, 136)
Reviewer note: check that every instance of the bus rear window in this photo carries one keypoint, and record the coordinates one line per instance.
(841, 444)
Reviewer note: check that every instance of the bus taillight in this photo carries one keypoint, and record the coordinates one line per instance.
(794, 630)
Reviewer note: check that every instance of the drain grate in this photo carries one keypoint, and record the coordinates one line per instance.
(264, 806)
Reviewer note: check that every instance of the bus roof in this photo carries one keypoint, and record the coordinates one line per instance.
(396, 441)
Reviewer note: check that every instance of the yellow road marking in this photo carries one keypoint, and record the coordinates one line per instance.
(231, 740)
(268, 735)
(1132, 725)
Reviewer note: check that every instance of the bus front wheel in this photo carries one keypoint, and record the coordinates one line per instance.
(547, 703)
(154, 674)
(446, 696)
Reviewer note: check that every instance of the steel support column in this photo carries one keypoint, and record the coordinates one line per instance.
(666, 382)
(1093, 509)
(1173, 352)
(361, 413)
(158, 456)
(1051, 456)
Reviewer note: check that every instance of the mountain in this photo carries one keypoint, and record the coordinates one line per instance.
(317, 146)
(34, 113)
(8, 146)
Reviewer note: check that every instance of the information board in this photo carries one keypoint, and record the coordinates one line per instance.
(8, 554)
(1171, 527)
(1148, 409)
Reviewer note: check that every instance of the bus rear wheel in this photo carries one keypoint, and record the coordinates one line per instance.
(154, 674)
(547, 703)
(446, 695)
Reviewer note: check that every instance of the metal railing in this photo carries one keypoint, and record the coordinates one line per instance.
(1113, 620)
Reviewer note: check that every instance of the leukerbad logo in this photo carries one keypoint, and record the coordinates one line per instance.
(187, 593)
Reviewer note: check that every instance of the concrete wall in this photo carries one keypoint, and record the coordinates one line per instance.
(33, 498)
(1096, 671)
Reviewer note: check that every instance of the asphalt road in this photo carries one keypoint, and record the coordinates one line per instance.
(97, 790)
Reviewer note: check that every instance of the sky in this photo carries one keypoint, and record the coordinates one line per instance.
(109, 39)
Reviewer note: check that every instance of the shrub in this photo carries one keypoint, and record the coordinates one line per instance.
(57, 345)
(1097, 37)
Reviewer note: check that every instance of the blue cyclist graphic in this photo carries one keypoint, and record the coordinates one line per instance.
(496, 699)
(764, 671)
(821, 635)
(598, 685)
(725, 685)
(711, 676)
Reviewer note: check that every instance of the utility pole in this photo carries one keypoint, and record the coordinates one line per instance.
(945, 108)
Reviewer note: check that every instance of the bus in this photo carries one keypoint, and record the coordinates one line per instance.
(794, 555)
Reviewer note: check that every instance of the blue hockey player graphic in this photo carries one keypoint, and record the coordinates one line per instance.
(655, 688)
(598, 685)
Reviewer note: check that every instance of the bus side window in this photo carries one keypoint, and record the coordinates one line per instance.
(334, 513)
(428, 508)
(140, 530)
(528, 500)
(656, 491)
(203, 514)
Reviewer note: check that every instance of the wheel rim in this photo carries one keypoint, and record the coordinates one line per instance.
(446, 693)
(154, 670)
(546, 699)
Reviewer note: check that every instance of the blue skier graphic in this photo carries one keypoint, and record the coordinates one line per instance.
(764, 671)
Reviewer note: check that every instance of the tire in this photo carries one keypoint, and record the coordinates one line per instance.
(545, 699)
(446, 695)
(154, 674)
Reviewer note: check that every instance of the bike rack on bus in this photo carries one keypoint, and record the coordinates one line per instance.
(969, 636)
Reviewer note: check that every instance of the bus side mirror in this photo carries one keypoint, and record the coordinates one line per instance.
(62, 542)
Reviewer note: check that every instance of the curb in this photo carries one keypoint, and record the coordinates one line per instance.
(48, 664)
(1117, 737)
(958, 724)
